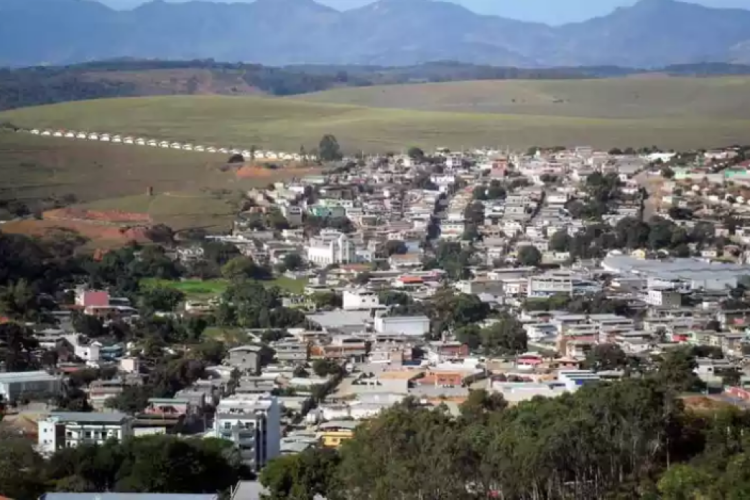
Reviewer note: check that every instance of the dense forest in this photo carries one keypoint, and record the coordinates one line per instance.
(130, 78)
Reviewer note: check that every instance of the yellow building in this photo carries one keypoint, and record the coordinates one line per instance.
(332, 434)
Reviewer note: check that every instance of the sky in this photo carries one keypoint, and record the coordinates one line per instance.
(546, 11)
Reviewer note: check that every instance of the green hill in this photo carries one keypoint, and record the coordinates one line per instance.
(288, 123)
(633, 97)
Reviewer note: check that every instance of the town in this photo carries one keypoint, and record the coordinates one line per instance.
(429, 281)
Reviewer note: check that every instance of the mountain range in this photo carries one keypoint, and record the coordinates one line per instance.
(649, 34)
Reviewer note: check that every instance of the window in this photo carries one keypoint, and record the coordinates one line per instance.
(87, 434)
(227, 425)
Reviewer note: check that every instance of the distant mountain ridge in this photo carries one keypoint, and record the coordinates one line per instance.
(652, 33)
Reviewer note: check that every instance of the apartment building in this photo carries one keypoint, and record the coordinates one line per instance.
(69, 429)
(252, 423)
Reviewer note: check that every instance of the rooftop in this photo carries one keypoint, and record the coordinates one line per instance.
(83, 417)
(39, 376)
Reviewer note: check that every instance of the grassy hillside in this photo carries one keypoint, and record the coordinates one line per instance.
(287, 123)
(642, 97)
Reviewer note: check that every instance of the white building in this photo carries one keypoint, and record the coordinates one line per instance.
(331, 249)
(87, 350)
(252, 423)
(564, 282)
(411, 326)
(354, 300)
(664, 298)
(69, 429)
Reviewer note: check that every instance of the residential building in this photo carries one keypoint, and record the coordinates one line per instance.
(252, 423)
(409, 326)
(354, 300)
(332, 434)
(245, 358)
(291, 351)
(69, 429)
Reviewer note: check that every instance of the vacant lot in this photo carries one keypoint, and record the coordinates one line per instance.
(635, 98)
(281, 123)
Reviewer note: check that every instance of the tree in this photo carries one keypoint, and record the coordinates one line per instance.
(604, 357)
(676, 370)
(17, 344)
(303, 476)
(507, 336)
(326, 367)
(236, 158)
(395, 247)
(474, 213)
(529, 256)
(560, 241)
(479, 193)
(19, 301)
(391, 298)
(362, 278)
(471, 233)
(324, 300)
(329, 149)
(161, 298)
(241, 268)
(20, 468)
(667, 173)
(415, 153)
(480, 403)
(133, 399)
(90, 326)
(292, 262)
(496, 190)
(471, 335)
(219, 252)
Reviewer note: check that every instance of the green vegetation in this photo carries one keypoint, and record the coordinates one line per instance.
(288, 123)
(200, 289)
(210, 209)
(190, 189)
(632, 98)
(630, 439)
(144, 464)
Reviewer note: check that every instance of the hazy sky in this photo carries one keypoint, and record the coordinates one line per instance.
(548, 11)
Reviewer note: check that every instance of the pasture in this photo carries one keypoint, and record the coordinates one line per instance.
(288, 123)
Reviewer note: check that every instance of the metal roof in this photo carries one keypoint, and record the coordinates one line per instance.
(84, 417)
(39, 376)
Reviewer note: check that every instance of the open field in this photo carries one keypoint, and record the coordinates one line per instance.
(190, 188)
(285, 123)
(635, 97)
(178, 210)
(99, 235)
(201, 289)
(35, 167)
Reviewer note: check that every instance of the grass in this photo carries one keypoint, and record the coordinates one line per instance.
(633, 97)
(285, 123)
(190, 189)
(202, 289)
(179, 210)
(193, 289)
